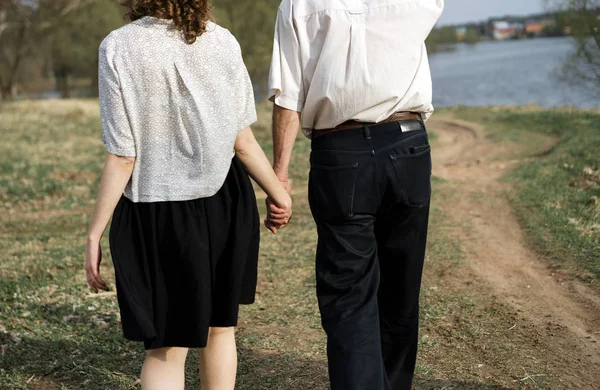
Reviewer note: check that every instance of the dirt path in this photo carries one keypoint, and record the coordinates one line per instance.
(560, 316)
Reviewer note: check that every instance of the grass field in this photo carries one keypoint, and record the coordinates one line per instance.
(558, 193)
(55, 334)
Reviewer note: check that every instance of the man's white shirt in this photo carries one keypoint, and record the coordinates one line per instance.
(337, 60)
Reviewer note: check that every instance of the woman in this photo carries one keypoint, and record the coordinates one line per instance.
(176, 102)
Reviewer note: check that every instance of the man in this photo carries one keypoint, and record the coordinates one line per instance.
(358, 72)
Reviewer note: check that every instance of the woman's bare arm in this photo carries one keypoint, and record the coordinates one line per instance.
(259, 168)
(115, 176)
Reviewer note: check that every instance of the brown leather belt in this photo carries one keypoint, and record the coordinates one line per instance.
(348, 125)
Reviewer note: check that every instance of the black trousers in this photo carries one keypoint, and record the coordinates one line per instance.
(369, 192)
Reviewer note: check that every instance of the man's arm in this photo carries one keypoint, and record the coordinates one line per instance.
(285, 129)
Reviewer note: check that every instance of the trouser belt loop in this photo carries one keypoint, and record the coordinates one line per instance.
(367, 131)
(421, 119)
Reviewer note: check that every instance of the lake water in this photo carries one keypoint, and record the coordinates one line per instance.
(509, 72)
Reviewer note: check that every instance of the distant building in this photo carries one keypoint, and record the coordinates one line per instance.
(461, 32)
(502, 30)
(535, 28)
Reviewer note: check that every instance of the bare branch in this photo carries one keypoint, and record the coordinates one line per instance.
(3, 21)
(75, 5)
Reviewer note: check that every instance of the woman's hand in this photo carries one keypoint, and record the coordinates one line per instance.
(279, 203)
(278, 215)
(93, 257)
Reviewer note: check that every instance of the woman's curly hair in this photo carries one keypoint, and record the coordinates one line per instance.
(189, 16)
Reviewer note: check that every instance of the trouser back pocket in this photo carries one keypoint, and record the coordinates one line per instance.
(412, 181)
(331, 191)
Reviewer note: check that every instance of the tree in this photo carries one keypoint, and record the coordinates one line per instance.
(582, 67)
(72, 46)
(558, 27)
(253, 25)
(58, 35)
(15, 27)
(472, 36)
(30, 28)
(441, 39)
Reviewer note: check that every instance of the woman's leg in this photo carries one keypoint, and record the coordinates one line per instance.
(218, 361)
(164, 369)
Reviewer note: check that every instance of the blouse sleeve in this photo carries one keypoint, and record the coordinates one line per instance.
(285, 77)
(116, 129)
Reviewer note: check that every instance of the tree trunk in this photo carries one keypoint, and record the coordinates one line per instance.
(230, 9)
(62, 84)
(7, 87)
(65, 92)
(3, 94)
(94, 81)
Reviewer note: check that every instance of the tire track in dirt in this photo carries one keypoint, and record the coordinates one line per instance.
(563, 314)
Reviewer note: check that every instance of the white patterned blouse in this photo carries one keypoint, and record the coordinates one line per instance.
(176, 107)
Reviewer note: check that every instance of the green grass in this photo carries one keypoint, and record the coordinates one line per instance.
(55, 334)
(558, 194)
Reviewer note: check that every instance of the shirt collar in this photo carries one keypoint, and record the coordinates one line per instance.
(152, 21)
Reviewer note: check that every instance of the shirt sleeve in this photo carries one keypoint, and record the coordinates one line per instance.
(286, 88)
(116, 129)
(246, 107)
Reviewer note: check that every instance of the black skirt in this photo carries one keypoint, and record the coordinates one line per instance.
(184, 266)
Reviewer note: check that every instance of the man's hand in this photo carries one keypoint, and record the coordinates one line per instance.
(278, 217)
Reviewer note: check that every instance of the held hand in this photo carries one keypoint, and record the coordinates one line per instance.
(278, 215)
(93, 258)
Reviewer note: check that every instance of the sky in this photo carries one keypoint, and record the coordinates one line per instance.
(462, 11)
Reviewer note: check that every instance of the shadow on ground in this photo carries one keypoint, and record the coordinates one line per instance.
(66, 349)
(454, 385)
(61, 364)
(115, 364)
